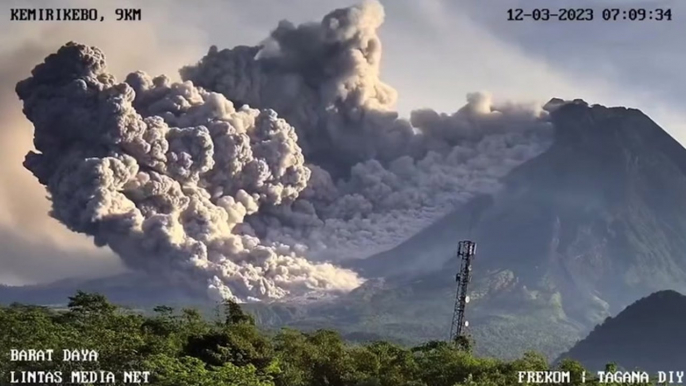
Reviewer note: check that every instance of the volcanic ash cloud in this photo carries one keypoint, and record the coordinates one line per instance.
(162, 173)
(241, 202)
(377, 178)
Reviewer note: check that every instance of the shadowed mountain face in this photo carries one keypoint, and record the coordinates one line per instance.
(578, 233)
(600, 216)
(647, 335)
(601, 213)
(591, 225)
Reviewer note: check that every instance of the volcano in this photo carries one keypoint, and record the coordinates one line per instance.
(578, 233)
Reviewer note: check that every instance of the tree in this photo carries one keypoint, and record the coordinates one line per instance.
(240, 344)
(186, 350)
(189, 371)
(576, 371)
(234, 314)
(90, 303)
(464, 343)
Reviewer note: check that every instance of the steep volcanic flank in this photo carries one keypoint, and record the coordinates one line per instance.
(647, 335)
(589, 226)
(600, 215)
(594, 223)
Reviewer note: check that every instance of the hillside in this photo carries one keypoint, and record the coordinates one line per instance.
(648, 334)
(180, 348)
(576, 234)
(131, 288)
(599, 210)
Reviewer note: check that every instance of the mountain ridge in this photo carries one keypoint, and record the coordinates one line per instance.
(575, 235)
(650, 327)
(583, 230)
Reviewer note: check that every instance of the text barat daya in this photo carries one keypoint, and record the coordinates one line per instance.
(46, 355)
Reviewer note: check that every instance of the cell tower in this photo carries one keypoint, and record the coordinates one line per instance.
(465, 253)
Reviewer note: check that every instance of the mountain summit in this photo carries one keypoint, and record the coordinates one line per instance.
(601, 211)
(599, 217)
(576, 234)
(586, 228)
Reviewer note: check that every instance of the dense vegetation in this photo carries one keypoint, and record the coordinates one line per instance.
(181, 348)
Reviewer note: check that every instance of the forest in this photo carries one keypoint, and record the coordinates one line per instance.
(183, 348)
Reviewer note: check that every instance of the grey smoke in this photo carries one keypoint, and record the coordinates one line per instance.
(377, 178)
(36, 247)
(324, 78)
(166, 198)
(183, 182)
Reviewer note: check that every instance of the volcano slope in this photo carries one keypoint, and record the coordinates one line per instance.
(578, 233)
(648, 335)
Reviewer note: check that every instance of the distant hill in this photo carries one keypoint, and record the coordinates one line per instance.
(648, 335)
(130, 289)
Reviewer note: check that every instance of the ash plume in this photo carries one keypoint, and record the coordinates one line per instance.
(266, 162)
(163, 172)
(324, 78)
(377, 178)
(36, 247)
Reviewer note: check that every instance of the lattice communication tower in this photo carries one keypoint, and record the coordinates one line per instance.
(465, 253)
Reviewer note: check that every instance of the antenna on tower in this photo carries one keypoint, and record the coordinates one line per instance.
(465, 253)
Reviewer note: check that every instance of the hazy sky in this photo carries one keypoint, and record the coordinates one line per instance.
(435, 52)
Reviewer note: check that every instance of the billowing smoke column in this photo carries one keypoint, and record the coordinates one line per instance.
(162, 173)
(181, 184)
(324, 78)
(392, 176)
